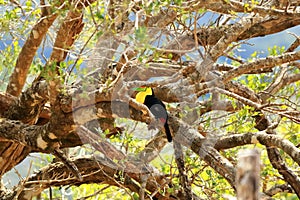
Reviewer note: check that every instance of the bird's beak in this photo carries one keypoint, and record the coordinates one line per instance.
(139, 89)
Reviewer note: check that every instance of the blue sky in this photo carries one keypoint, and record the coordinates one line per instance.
(261, 44)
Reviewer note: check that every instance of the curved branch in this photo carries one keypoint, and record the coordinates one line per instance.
(261, 137)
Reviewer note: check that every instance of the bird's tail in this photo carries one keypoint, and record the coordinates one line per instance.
(168, 132)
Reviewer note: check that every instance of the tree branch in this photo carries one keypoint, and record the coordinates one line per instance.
(28, 106)
(179, 158)
(263, 138)
(19, 75)
(263, 63)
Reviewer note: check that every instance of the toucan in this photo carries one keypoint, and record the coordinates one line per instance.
(146, 96)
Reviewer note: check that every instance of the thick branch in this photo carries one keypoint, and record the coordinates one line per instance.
(66, 35)
(5, 101)
(19, 75)
(37, 138)
(28, 106)
(10, 158)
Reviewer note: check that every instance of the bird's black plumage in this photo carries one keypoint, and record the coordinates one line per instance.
(158, 109)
